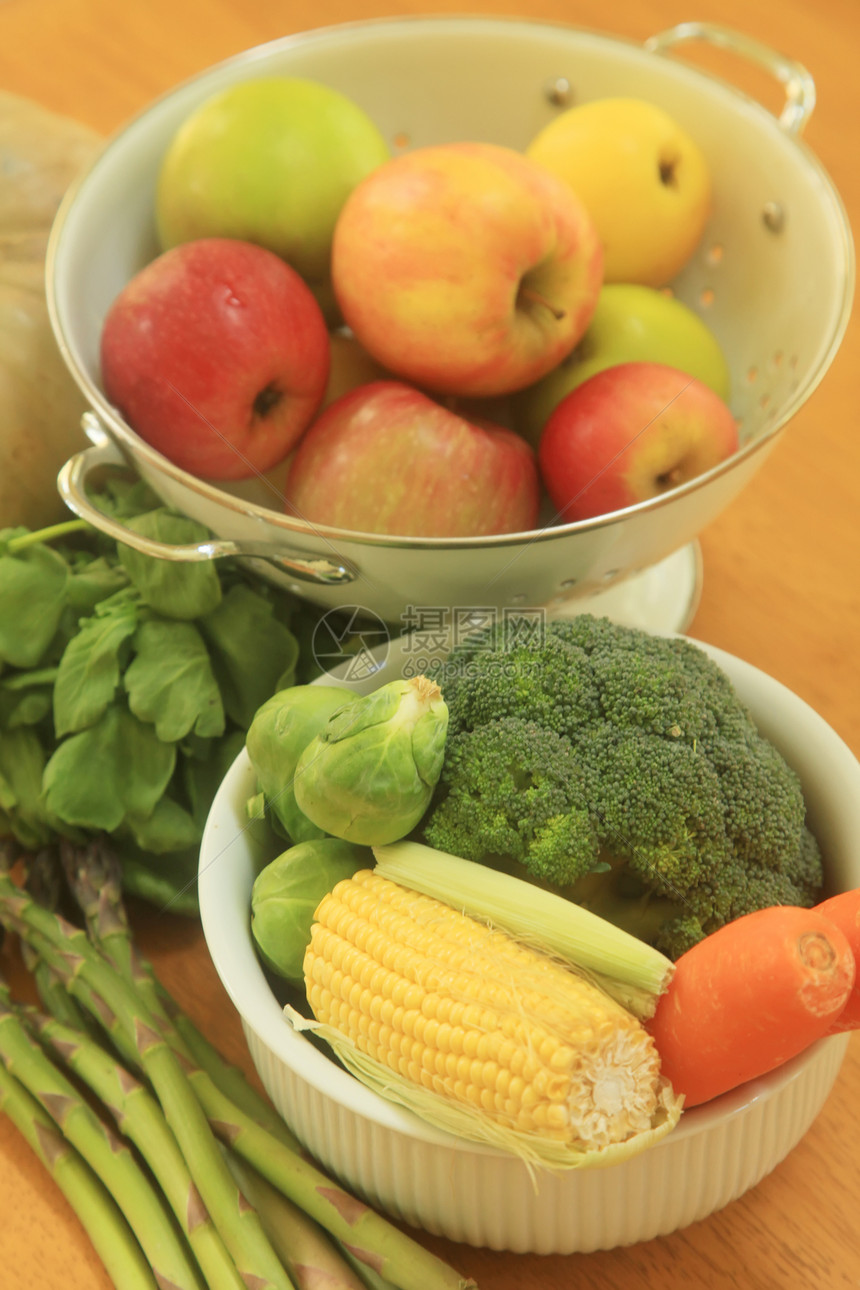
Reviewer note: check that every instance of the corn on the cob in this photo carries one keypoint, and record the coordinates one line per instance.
(466, 1012)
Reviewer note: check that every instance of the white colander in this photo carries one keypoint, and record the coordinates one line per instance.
(773, 278)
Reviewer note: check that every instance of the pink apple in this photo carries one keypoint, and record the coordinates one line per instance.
(466, 268)
(386, 458)
(217, 354)
(629, 433)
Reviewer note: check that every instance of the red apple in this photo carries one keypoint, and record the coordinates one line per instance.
(217, 354)
(629, 433)
(466, 268)
(386, 458)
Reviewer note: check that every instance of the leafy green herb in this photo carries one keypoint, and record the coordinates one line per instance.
(243, 626)
(170, 681)
(22, 762)
(175, 590)
(90, 668)
(170, 827)
(127, 684)
(116, 767)
(26, 698)
(32, 600)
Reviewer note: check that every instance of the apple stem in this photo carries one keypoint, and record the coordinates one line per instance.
(528, 295)
(267, 399)
(668, 171)
(670, 478)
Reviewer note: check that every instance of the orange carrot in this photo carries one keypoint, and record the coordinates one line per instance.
(844, 911)
(750, 996)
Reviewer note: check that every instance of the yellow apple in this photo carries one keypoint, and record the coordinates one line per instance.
(466, 268)
(643, 179)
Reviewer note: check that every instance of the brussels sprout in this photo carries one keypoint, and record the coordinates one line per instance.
(279, 733)
(286, 894)
(369, 774)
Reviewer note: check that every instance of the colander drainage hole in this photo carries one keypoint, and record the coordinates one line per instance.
(559, 92)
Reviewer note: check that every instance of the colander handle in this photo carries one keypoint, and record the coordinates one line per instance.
(799, 85)
(72, 481)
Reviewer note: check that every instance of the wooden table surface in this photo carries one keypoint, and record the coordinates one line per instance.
(781, 589)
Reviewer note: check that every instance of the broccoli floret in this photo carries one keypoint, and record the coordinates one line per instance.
(624, 768)
(668, 687)
(500, 672)
(658, 805)
(765, 809)
(677, 935)
(513, 790)
(742, 888)
(807, 868)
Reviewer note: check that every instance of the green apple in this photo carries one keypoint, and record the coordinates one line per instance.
(631, 323)
(270, 160)
(642, 177)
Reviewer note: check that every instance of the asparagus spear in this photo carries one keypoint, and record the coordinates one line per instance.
(100, 1216)
(95, 878)
(139, 1117)
(308, 1254)
(69, 951)
(44, 883)
(108, 1156)
(243, 1120)
(231, 1082)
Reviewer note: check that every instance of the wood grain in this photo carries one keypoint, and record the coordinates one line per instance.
(781, 589)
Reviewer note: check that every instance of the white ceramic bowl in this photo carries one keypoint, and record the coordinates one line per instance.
(476, 1195)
